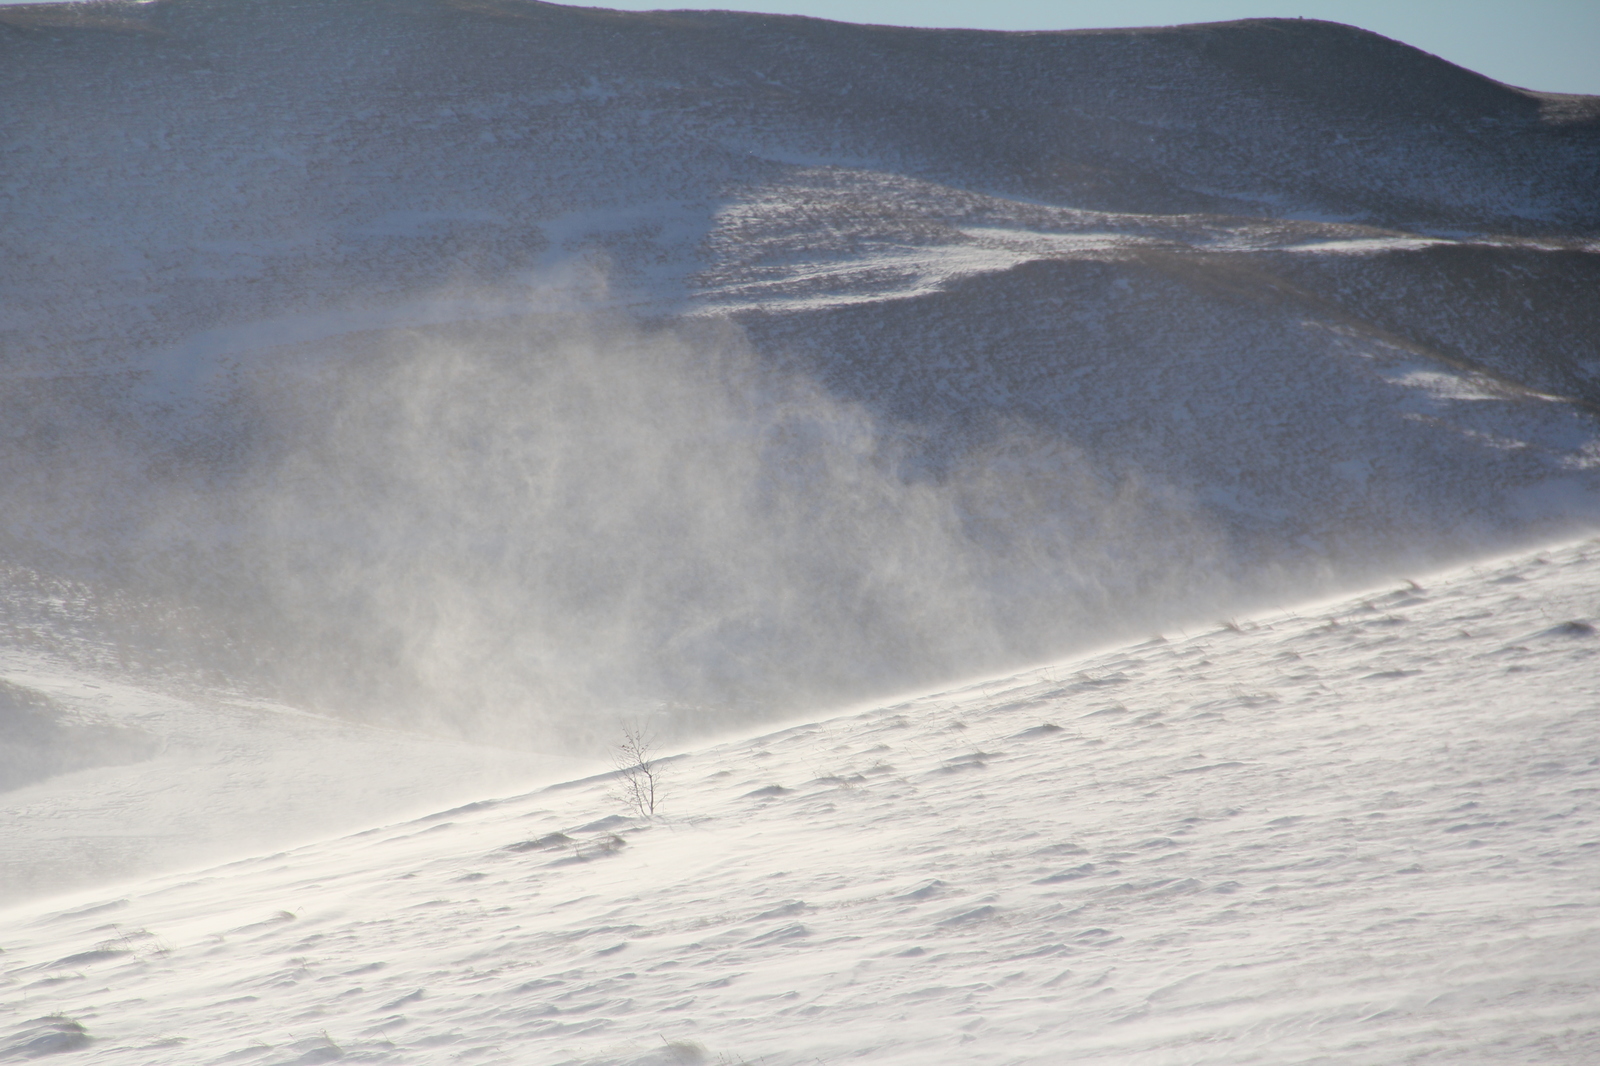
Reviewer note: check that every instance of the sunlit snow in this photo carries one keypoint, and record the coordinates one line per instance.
(1362, 832)
(404, 402)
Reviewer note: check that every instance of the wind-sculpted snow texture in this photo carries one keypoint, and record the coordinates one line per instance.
(506, 371)
(1363, 832)
(512, 367)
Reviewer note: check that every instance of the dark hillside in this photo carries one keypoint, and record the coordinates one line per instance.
(468, 354)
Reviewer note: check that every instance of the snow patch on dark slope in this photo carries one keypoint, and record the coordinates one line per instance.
(1036, 340)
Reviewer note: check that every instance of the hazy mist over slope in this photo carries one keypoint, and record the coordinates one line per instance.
(530, 528)
(510, 369)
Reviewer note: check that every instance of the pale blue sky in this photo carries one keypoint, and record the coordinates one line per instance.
(1553, 45)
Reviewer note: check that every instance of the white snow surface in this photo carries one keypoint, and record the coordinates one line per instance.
(383, 358)
(231, 778)
(1362, 831)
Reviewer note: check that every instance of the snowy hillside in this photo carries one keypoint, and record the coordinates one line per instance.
(1362, 832)
(401, 396)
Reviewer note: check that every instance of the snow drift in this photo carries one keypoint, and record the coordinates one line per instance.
(1365, 831)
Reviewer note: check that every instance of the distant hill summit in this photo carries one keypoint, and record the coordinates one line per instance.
(1272, 116)
(1097, 328)
(168, 150)
(337, 137)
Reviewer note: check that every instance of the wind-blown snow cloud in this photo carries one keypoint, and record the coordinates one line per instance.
(524, 531)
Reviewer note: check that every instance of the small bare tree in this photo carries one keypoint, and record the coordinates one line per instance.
(638, 771)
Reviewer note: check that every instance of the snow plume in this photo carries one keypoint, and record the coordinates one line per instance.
(526, 531)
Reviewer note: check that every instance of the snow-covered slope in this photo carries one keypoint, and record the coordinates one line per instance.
(1363, 831)
(117, 779)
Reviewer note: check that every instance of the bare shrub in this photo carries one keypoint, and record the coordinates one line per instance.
(639, 776)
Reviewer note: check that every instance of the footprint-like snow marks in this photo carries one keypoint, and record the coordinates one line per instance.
(1423, 859)
(787, 932)
(89, 958)
(1044, 729)
(549, 840)
(783, 910)
(1076, 873)
(50, 1035)
(924, 891)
